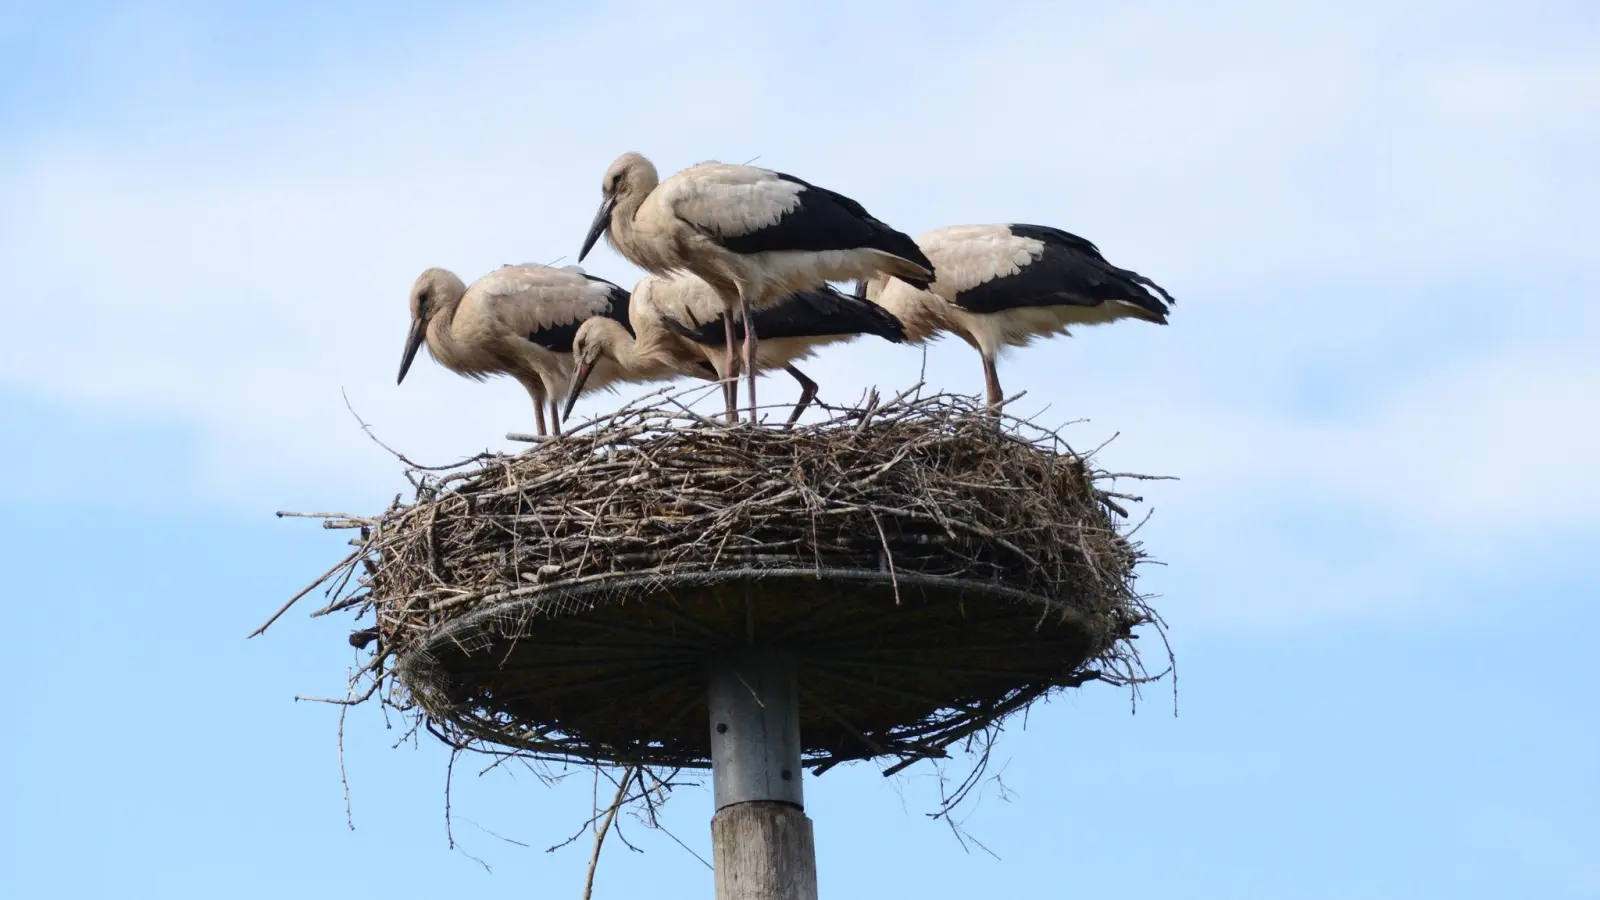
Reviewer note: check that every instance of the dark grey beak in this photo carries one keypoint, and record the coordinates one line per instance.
(419, 330)
(579, 376)
(602, 221)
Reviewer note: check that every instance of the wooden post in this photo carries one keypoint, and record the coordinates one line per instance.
(761, 842)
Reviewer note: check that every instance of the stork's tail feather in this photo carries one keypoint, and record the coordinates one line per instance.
(917, 268)
(916, 271)
(820, 313)
(1138, 295)
(865, 317)
(1135, 285)
(1138, 279)
(904, 259)
(825, 312)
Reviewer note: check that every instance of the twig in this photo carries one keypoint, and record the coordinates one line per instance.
(600, 839)
(401, 456)
(449, 775)
(344, 780)
(304, 591)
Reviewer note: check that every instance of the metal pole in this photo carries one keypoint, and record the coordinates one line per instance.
(761, 841)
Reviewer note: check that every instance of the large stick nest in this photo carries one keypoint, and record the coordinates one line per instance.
(933, 569)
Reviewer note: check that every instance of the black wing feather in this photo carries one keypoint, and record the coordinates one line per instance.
(820, 313)
(558, 338)
(1069, 272)
(826, 220)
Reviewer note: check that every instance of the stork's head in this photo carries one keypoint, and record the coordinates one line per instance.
(596, 340)
(630, 176)
(434, 290)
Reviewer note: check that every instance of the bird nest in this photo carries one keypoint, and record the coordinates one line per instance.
(930, 568)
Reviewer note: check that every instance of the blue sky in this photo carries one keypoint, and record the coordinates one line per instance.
(1377, 388)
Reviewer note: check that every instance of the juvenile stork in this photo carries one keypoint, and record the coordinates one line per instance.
(753, 234)
(1002, 286)
(680, 327)
(517, 320)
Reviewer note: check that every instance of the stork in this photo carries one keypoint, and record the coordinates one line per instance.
(680, 326)
(753, 234)
(1001, 286)
(518, 320)
(647, 350)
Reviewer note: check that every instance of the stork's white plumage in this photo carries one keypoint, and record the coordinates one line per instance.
(681, 323)
(518, 320)
(754, 235)
(1002, 286)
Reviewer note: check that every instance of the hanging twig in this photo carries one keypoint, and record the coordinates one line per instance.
(600, 838)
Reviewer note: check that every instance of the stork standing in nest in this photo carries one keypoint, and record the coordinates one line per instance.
(680, 326)
(1003, 286)
(753, 234)
(518, 321)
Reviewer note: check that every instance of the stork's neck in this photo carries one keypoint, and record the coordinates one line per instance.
(625, 351)
(633, 238)
(442, 343)
(624, 232)
(921, 312)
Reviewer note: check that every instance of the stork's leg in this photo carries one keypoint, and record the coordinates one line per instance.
(808, 392)
(730, 369)
(749, 351)
(555, 418)
(538, 415)
(992, 382)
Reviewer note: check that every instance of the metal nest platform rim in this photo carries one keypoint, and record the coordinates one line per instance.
(874, 651)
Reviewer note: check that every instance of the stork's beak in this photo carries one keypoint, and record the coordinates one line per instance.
(602, 221)
(579, 376)
(419, 330)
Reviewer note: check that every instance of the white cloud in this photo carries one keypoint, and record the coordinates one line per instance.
(229, 268)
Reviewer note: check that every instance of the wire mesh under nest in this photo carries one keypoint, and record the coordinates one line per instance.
(931, 569)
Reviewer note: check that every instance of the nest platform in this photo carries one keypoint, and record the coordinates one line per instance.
(931, 570)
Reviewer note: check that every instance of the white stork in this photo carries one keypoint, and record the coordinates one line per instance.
(753, 234)
(1002, 286)
(680, 328)
(516, 320)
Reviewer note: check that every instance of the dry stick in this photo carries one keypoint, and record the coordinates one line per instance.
(496, 835)
(344, 779)
(449, 775)
(283, 514)
(600, 839)
(304, 591)
(888, 557)
(401, 456)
